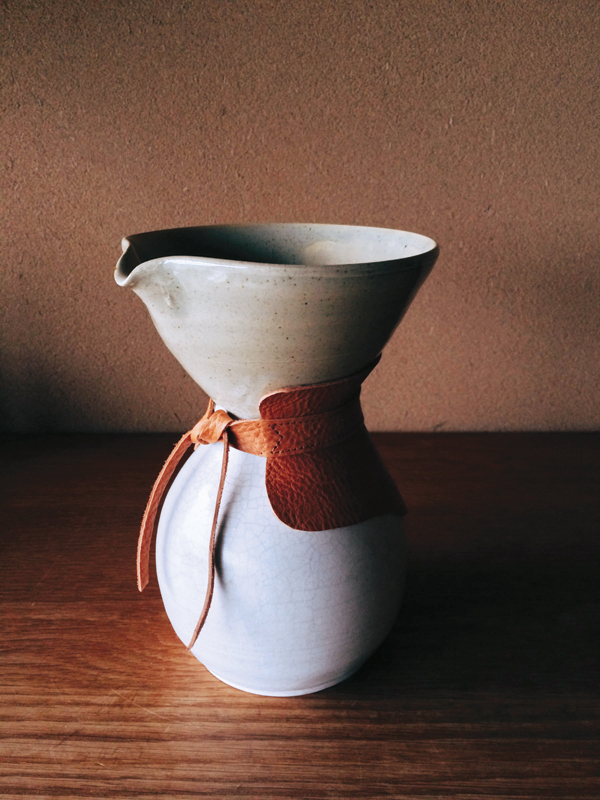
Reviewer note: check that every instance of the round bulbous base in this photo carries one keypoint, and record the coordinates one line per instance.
(292, 692)
(293, 612)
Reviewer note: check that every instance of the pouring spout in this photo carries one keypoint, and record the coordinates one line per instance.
(205, 245)
(126, 264)
(142, 253)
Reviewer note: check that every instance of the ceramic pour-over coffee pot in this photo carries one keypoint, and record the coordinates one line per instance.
(284, 510)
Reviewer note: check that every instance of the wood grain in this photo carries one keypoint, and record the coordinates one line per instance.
(486, 688)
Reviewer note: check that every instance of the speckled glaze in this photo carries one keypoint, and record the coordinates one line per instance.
(284, 305)
(248, 310)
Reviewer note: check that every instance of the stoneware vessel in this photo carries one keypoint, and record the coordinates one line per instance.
(248, 310)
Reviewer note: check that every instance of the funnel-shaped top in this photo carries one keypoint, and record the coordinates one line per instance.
(248, 309)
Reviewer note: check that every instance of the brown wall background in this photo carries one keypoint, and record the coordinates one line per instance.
(471, 122)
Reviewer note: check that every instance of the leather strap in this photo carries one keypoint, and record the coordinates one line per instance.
(208, 430)
(211, 547)
(323, 471)
(274, 438)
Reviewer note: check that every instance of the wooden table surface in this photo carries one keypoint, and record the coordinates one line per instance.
(488, 686)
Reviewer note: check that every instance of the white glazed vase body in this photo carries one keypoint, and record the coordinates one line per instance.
(292, 611)
(248, 310)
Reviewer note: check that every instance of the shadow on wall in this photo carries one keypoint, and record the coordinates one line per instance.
(45, 404)
(70, 400)
(518, 351)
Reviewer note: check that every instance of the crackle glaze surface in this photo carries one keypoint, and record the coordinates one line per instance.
(293, 611)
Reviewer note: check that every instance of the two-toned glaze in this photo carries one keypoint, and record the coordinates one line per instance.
(248, 310)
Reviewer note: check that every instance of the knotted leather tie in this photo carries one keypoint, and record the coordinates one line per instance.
(322, 472)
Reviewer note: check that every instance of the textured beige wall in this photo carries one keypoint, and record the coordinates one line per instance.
(472, 122)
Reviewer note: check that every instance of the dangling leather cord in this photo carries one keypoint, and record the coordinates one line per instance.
(211, 547)
(212, 427)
